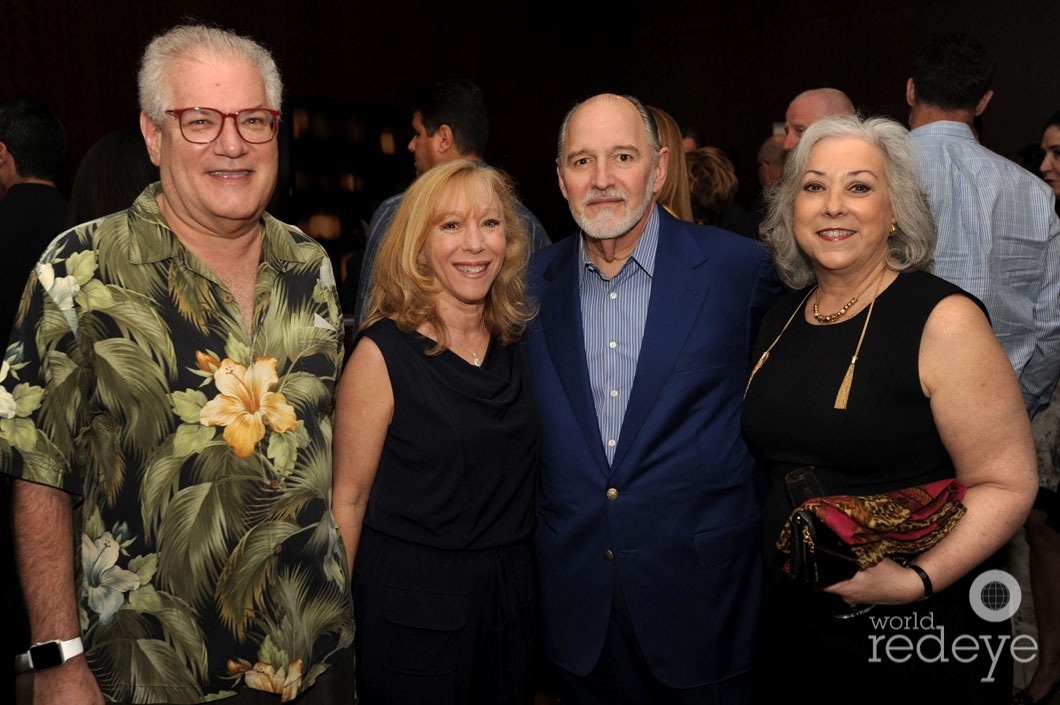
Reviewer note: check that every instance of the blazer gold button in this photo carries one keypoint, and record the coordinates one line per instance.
(609, 554)
(612, 494)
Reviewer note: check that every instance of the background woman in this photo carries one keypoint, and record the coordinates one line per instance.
(110, 176)
(713, 185)
(436, 451)
(881, 376)
(1050, 166)
(673, 196)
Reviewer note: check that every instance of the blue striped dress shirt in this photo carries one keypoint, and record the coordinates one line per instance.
(999, 239)
(613, 314)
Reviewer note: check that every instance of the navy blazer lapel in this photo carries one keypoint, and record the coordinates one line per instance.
(677, 293)
(561, 320)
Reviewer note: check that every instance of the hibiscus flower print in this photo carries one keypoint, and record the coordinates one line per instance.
(265, 677)
(105, 582)
(8, 405)
(245, 404)
(62, 291)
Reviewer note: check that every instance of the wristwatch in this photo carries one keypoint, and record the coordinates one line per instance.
(47, 654)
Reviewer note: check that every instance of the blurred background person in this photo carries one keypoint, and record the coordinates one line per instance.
(770, 161)
(1042, 529)
(810, 106)
(998, 232)
(437, 449)
(770, 167)
(1050, 166)
(674, 194)
(32, 210)
(449, 121)
(32, 149)
(932, 398)
(713, 190)
(113, 172)
(691, 138)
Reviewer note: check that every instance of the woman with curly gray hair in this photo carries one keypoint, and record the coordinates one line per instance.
(887, 385)
(912, 244)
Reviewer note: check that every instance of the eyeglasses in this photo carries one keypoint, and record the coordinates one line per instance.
(204, 125)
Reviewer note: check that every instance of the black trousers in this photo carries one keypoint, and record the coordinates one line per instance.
(443, 627)
(622, 675)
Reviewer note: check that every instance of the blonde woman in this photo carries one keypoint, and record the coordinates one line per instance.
(436, 451)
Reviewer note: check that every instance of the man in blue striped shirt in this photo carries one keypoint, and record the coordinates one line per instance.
(648, 535)
(999, 236)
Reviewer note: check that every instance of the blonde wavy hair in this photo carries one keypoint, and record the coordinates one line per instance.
(674, 194)
(403, 286)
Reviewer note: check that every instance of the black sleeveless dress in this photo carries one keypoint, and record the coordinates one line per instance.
(444, 594)
(884, 440)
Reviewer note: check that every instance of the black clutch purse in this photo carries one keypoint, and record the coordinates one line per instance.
(817, 557)
(828, 539)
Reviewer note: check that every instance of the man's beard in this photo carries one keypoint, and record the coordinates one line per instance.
(606, 227)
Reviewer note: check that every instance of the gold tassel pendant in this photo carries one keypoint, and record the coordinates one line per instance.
(758, 366)
(844, 388)
(843, 395)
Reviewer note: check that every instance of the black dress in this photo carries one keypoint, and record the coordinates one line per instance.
(884, 440)
(444, 580)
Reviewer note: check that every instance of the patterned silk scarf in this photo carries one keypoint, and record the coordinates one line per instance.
(905, 522)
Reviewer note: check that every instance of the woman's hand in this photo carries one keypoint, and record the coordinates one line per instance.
(886, 583)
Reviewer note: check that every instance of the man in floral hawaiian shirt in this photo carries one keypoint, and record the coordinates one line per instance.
(164, 404)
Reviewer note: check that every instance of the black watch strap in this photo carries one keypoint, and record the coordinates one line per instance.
(929, 590)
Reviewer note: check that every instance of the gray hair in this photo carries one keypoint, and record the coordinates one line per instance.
(910, 249)
(184, 40)
(645, 117)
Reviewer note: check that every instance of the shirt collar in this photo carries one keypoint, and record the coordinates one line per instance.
(158, 243)
(950, 128)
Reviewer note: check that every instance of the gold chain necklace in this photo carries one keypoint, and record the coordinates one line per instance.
(832, 317)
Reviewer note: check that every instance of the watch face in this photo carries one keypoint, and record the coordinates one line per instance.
(46, 655)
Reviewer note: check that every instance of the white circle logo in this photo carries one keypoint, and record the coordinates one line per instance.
(995, 596)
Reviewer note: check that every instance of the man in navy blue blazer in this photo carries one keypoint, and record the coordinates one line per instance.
(648, 536)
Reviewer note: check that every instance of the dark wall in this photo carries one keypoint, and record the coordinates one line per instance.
(729, 68)
(734, 71)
